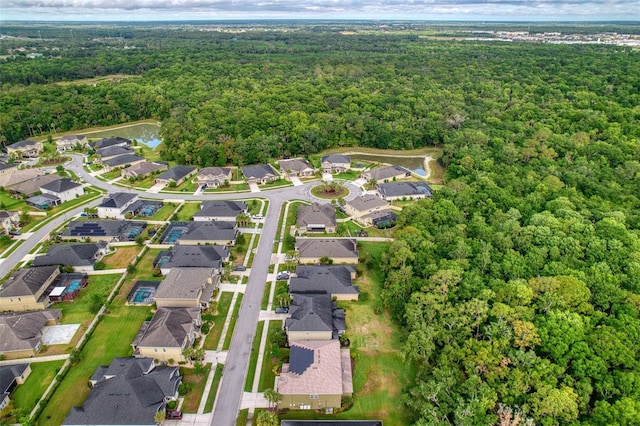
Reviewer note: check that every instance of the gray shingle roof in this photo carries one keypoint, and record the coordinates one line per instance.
(295, 164)
(68, 254)
(404, 189)
(184, 283)
(315, 312)
(330, 247)
(168, 328)
(31, 186)
(60, 185)
(26, 282)
(22, 144)
(117, 199)
(386, 172)
(366, 202)
(123, 159)
(176, 173)
(5, 166)
(102, 228)
(336, 158)
(316, 214)
(222, 208)
(105, 142)
(144, 168)
(111, 151)
(258, 171)
(323, 279)
(129, 392)
(23, 330)
(8, 374)
(204, 231)
(196, 257)
(214, 173)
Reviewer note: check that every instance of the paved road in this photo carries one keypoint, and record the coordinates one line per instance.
(232, 384)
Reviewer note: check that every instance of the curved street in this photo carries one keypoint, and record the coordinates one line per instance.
(229, 396)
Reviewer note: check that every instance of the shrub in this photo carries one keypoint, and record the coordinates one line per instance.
(99, 265)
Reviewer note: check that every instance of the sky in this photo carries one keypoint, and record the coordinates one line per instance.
(459, 10)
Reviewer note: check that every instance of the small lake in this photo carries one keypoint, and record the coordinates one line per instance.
(146, 133)
(413, 163)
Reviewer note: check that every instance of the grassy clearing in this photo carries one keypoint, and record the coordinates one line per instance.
(112, 338)
(196, 383)
(208, 407)
(187, 211)
(271, 359)
(121, 257)
(42, 373)
(212, 339)
(253, 360)
(79, 311)
(232, 324)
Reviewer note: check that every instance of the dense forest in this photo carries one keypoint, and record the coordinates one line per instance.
(518, 284)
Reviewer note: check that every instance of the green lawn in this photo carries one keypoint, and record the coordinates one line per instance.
(144, 183)
(193, 397)
(212, 339)
(239, 187)
(78, 311)
(112, 338)
(265, 296)
(42, 373)
(278, 183)
(189, 185)
(232, 324)
(243, 415)
(111, 174)
(214, 388)
(187, 211)
(163, 214)
(348, 175)
(7, 202)
(253, 360)
(271, 359)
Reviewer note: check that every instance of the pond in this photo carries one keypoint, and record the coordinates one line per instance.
(146, 133)
(414, 163)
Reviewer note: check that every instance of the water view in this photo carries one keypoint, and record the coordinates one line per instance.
(145, 133)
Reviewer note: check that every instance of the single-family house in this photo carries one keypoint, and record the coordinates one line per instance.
(130, 391)
(103, 230)
(113, 151)
(142, 169)
(370, 209)
(259, 173)
(21, 332)
(70, 142)
(10, 377)
(317, 376)
(336, 281)
(24, 149)
(30, 187)
(314, 316)
(214, 177)
(26, 289)
(296, 167)
(223, 210)
(65, 189)
(168, 334)
(106, 142)
(386, 174)
(125, 160)
(80, 256)
(404, 190)
(181, 256)
(17, 176)
(9, 220)
(115, 205)
(336, 163)
(195, 233)
(316, 218)
(177, 174)
(186, 288)
(339, 250)
(7, 168)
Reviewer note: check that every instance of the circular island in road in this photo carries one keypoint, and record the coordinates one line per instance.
(329, 191)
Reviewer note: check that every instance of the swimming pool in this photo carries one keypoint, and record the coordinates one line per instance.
(75, 284)
(144, 295)
(174, 235)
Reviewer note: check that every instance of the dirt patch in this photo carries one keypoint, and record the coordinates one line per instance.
(122, 257)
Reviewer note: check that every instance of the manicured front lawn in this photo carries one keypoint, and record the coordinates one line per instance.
(112, 338)
(348, 175)
(253, 360)
(42, 373)
(278, 183)
(121, 257)
(236, 187)
(196, 383)
(111, 174)
(212, 339)
(271, 359)
(189, 185)
(187, 211)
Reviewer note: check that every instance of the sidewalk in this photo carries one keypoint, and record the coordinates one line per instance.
(34, 359)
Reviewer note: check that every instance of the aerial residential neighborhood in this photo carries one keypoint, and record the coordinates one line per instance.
(200, 255)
